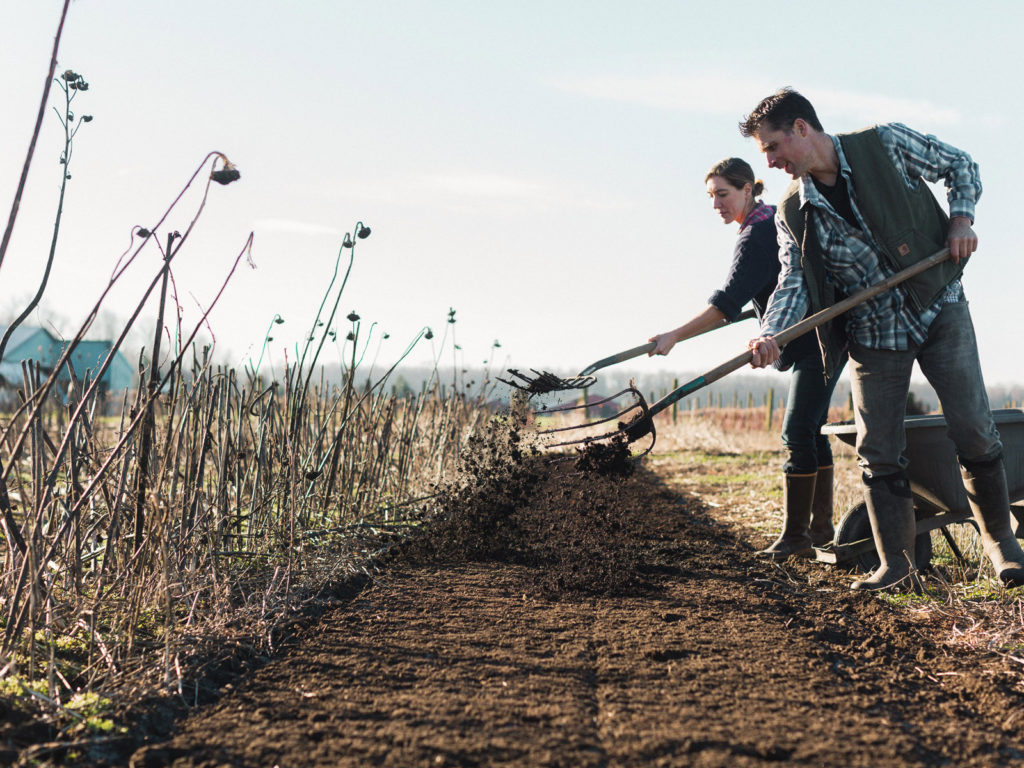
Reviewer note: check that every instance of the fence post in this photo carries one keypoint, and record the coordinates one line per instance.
(675, 405)
(770, 402)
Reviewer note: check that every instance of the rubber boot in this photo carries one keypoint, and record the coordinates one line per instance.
(822, 531)
(894, 528)
(794, 540)
(986, 491)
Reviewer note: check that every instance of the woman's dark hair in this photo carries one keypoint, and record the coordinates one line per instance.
(737, 172)
(779, 111)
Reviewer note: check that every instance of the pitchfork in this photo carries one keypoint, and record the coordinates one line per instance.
(543, 382)
(642, 421)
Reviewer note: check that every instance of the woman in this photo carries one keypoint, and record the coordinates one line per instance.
(752, 277)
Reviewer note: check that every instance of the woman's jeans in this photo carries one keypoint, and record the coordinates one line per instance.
(806, 412)
(880, 380)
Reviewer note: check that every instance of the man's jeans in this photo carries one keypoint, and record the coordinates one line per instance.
(880, 380)
(806, 413)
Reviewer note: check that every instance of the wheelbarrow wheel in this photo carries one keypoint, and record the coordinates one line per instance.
(1017, 520)
(855, 526)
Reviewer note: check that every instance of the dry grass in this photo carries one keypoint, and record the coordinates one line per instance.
(973, 614)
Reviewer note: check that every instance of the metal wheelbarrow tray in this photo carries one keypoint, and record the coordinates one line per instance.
(939, 496)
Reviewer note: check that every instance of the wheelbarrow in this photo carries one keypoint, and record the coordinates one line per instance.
(939, 496)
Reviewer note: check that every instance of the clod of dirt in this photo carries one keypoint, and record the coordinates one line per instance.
(606, 457)
(640, 425)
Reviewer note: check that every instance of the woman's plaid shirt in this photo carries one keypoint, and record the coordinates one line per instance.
(852, 261)
(760, 212)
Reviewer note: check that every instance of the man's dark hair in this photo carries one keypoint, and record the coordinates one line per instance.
(778, 112)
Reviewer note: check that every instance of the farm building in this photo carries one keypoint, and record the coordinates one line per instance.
(27, 343)
(90, 355)
(39, 345)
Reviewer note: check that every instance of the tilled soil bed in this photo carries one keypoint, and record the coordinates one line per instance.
(607, 620)
(612, 622)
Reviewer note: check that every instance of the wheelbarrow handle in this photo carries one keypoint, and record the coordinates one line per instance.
(807, 324)
(644, 349)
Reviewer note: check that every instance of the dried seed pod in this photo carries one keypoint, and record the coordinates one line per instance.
(226, 175)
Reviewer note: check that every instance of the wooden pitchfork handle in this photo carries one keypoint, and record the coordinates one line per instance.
(643, 349)
(784, 337)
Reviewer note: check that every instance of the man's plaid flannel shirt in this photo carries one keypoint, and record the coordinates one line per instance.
(852, 261)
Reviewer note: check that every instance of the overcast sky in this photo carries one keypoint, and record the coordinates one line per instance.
(537, 166)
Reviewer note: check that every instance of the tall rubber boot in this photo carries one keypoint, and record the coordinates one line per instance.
(986, 491)
(822, 531)
(894, 528)
(794, 541)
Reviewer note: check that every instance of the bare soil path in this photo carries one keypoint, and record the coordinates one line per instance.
(623, 624)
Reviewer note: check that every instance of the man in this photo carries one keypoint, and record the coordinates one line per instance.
(856, 213)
